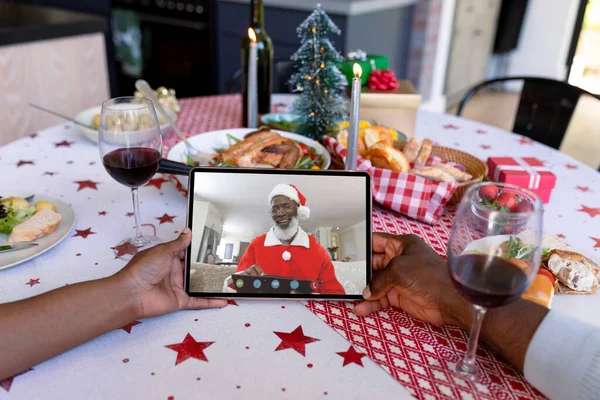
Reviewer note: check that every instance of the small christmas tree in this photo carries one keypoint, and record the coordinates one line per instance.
(318, 79)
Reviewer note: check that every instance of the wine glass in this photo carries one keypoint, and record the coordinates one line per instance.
(130, 148)
(494, 252)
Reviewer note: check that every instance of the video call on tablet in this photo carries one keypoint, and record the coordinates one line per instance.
(278, 233)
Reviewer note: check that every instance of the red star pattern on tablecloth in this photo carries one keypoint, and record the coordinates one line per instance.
(485, 146)
(450, 126)
(561, 236)
(64, 143)
(232, 303)
(127, 328)
(584, 189)
(157, 182)
(166, 218)
(102, 212)
(524, 140)
(480, 131)
(23, 162)
(124, 249)
(352, 356)
(589, 210)
(597, 245)
(33, 135)
(87, 184)
(294, 340)
(129, 214)
(189, 348)
(571, 166)
(33, 282)
(50, 173)
(7, 383)
(84, 233)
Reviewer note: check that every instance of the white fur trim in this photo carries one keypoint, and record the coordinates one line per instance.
(283, 189)
(303, 212)
(301, 239)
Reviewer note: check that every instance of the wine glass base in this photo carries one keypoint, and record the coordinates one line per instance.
(466, 372)
(129, 247)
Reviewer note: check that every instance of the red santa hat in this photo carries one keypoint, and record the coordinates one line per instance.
(292, 193)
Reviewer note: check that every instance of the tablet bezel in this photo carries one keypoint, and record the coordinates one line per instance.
(368, 233)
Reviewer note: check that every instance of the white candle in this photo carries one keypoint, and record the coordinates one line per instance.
(352, 151)
(252, 82)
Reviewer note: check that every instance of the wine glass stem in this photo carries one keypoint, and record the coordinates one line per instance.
(136, 213)
(467, 365)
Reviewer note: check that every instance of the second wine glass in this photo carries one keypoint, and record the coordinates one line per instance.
(494, 252)
(131, 148)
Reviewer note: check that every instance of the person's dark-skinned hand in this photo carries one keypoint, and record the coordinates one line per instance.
(155, 278)
(410, 275)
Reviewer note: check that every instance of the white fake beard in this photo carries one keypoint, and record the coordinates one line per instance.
(285, 235)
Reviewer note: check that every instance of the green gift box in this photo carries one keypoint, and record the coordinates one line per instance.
(378, 62)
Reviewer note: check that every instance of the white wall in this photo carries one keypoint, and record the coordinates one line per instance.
(234, 239)
(205, 214)
(545, 39)
(353, 242)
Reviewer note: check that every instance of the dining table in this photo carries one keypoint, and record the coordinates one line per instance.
(262, 349)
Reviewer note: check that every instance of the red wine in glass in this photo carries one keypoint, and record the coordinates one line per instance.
(130, 146)
(132, 167)
(487, 282)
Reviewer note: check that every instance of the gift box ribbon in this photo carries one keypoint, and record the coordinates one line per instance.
(522, 165)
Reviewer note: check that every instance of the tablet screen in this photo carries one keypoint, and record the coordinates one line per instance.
(279, 234)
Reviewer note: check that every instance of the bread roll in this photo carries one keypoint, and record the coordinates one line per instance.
(385, 156)
(342, 138)
(540, 291)
(434, 174)
(424, 153)
(376, 134)
(411, 149)
(42, 223)
(459, 175)
(574, 272)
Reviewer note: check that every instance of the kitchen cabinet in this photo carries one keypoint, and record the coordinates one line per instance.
(473, 34)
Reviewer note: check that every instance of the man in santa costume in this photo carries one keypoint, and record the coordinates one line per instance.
(286, 250)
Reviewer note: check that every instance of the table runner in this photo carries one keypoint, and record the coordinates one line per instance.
(417, 355)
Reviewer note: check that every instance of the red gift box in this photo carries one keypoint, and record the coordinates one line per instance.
(526, 172)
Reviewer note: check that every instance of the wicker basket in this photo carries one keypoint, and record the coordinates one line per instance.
(474, 166)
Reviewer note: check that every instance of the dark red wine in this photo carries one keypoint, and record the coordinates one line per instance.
(132, 167)
(487, 282)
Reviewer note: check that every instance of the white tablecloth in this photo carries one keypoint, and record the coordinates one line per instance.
(243, 361)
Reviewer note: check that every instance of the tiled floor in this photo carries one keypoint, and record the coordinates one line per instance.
(582, 140)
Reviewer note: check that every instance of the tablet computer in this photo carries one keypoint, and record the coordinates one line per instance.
(286, 234)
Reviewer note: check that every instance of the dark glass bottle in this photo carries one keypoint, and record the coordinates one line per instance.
(264, 64)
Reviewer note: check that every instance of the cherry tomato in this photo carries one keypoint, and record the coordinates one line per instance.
(547, 274)
(313, 157)
(305, 149)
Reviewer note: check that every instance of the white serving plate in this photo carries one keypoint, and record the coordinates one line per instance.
(12, 258)
(86, 117)
(585, 307)
(218, 139)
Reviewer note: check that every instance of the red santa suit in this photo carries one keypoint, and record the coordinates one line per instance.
(303, 258)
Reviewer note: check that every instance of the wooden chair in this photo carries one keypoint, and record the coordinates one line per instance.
(545, 107)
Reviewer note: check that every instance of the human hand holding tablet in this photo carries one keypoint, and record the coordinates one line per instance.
(279, 234)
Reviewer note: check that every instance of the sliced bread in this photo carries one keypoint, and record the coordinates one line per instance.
(42, 223)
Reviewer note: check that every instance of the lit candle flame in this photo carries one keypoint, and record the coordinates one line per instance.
(357, 70)
(252, 35)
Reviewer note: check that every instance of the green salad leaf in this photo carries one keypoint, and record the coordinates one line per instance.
(14, 218)
(517, 249)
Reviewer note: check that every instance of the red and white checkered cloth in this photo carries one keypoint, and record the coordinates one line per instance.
(409, 194)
